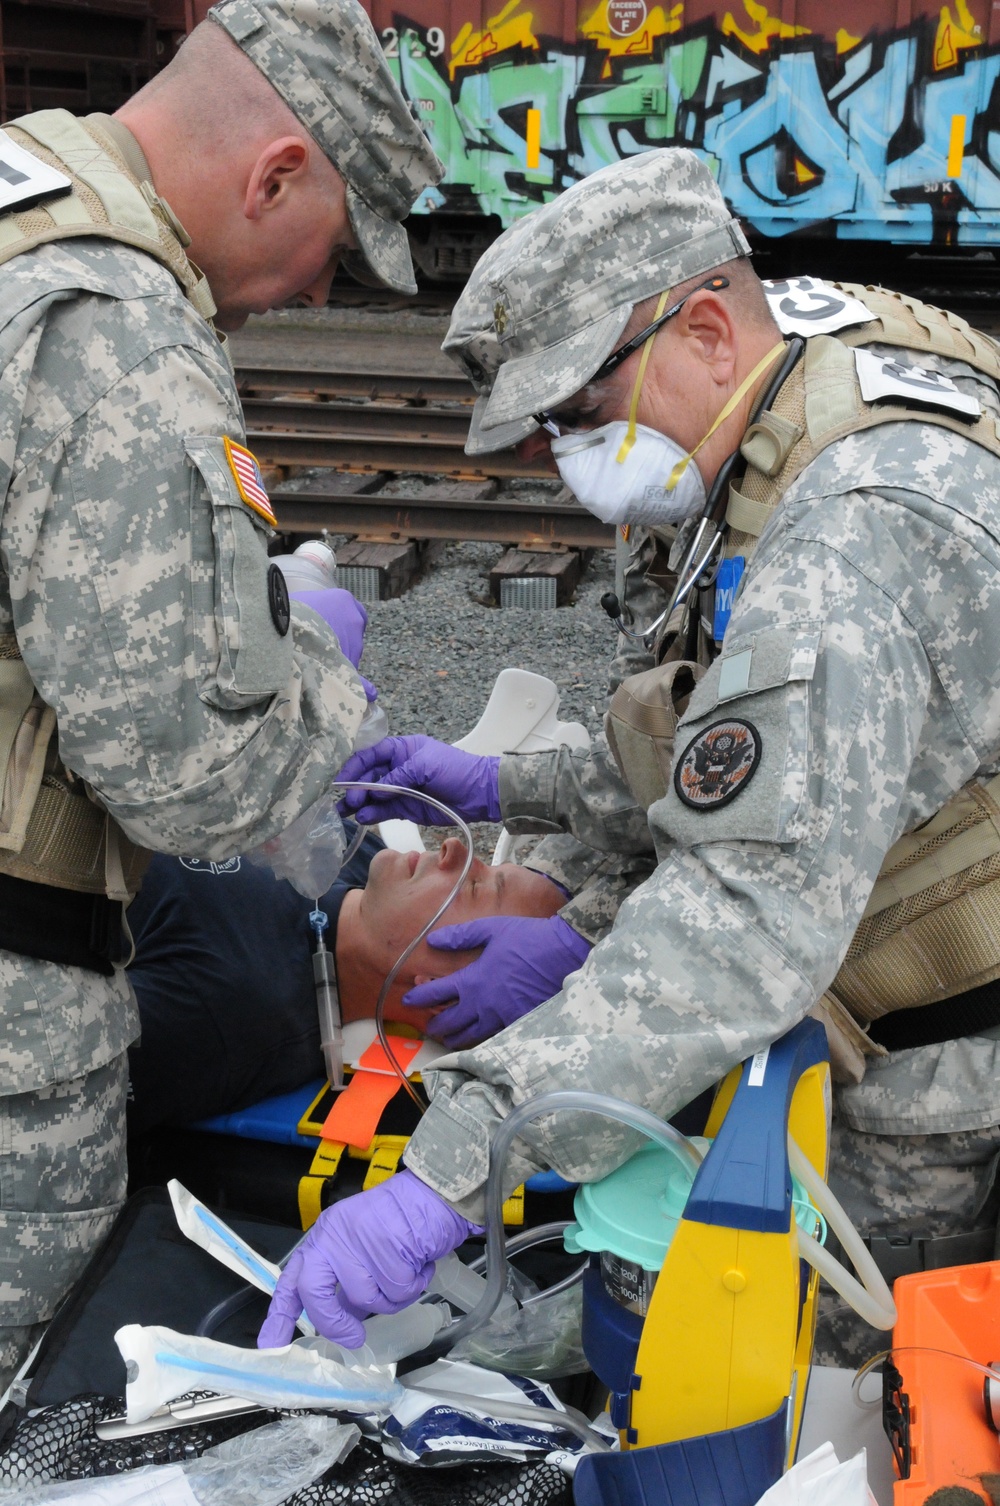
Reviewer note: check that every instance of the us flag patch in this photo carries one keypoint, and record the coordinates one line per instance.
(249, 481)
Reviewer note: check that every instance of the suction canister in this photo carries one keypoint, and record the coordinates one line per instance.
(629, 1218)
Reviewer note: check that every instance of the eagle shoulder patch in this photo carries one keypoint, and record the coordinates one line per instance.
(717, 764)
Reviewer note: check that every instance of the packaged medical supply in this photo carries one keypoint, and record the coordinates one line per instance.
(453, 1411)
(161, 1365)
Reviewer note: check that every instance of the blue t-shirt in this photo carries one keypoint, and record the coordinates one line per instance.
(223, 976)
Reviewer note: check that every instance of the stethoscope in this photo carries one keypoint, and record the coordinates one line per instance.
(698, 568)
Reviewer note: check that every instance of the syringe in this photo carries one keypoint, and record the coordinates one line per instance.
(331, 1035)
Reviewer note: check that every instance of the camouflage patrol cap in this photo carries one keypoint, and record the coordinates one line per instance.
(473, 344)
(324, 59)
(562, 294)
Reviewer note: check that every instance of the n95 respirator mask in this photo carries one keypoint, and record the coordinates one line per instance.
(634, 487)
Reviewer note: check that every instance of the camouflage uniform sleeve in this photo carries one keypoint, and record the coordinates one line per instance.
(867, 635)
(597, 881)
(139, 594)
(562, 790)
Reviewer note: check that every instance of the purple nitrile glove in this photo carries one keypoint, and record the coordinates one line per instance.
(466, 782)
(525, 962)
(371, 1253)
(347, 617)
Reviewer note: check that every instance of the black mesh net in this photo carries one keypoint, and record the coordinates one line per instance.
(367, 1478)
(61, 1443)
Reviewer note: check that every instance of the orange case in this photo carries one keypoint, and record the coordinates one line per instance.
(956, 1309)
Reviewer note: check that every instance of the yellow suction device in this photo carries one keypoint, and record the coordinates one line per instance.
(706, 1349)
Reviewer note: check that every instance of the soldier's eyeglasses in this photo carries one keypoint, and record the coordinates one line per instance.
(558, 424)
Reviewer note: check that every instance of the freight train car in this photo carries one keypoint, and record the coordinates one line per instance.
(861, 122)
(852, 120)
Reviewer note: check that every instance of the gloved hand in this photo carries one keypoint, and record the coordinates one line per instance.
(466, 782)
(524, 963)
(371, 1253)
(347, 617)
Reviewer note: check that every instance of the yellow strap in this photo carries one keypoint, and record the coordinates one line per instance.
(744, 387)
(324, 1165)
(633, 406)
(513, 1208)
(385, 1162)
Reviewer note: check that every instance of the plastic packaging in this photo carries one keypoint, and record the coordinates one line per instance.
(310, 852)
(451, 1410)
(205, 1229)
(312, 567)
(261, 1468)
(388, 1337)
(161, 1365)
(374, 726)
(543, 1340)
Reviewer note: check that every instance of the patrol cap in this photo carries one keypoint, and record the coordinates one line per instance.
(562, 294)
(324, 59)
(473, 344)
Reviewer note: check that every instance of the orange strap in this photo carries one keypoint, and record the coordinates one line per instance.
(354, 1118)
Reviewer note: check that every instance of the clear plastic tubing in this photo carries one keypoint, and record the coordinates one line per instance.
(870, 1297)
(536, 1108)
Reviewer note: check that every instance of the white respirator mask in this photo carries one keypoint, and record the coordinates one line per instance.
(625, 472)
(634, 489)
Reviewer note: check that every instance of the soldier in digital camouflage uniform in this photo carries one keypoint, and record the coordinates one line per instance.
(598, 881)
(194, 711)
(861, 678)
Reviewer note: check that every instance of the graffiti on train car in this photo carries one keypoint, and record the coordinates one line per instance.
(893, 134)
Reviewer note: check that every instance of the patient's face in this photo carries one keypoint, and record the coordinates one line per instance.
(404, 890)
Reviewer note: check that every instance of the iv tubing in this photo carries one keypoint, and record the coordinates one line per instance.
(548, 1103)
(364, 784)
(870, 1297)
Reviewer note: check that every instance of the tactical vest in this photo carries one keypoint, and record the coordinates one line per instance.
(52, 828)
(932, 926)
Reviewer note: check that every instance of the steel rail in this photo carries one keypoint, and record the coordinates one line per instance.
(256, 381)
(388, 425)
(509, 520)
(324, 453)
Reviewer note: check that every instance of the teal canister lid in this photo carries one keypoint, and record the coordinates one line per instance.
(634, 1211)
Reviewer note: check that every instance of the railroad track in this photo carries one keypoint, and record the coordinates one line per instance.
(367, 421)
(372, 424)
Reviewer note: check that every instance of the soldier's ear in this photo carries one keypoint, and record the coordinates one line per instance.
(277, 167)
